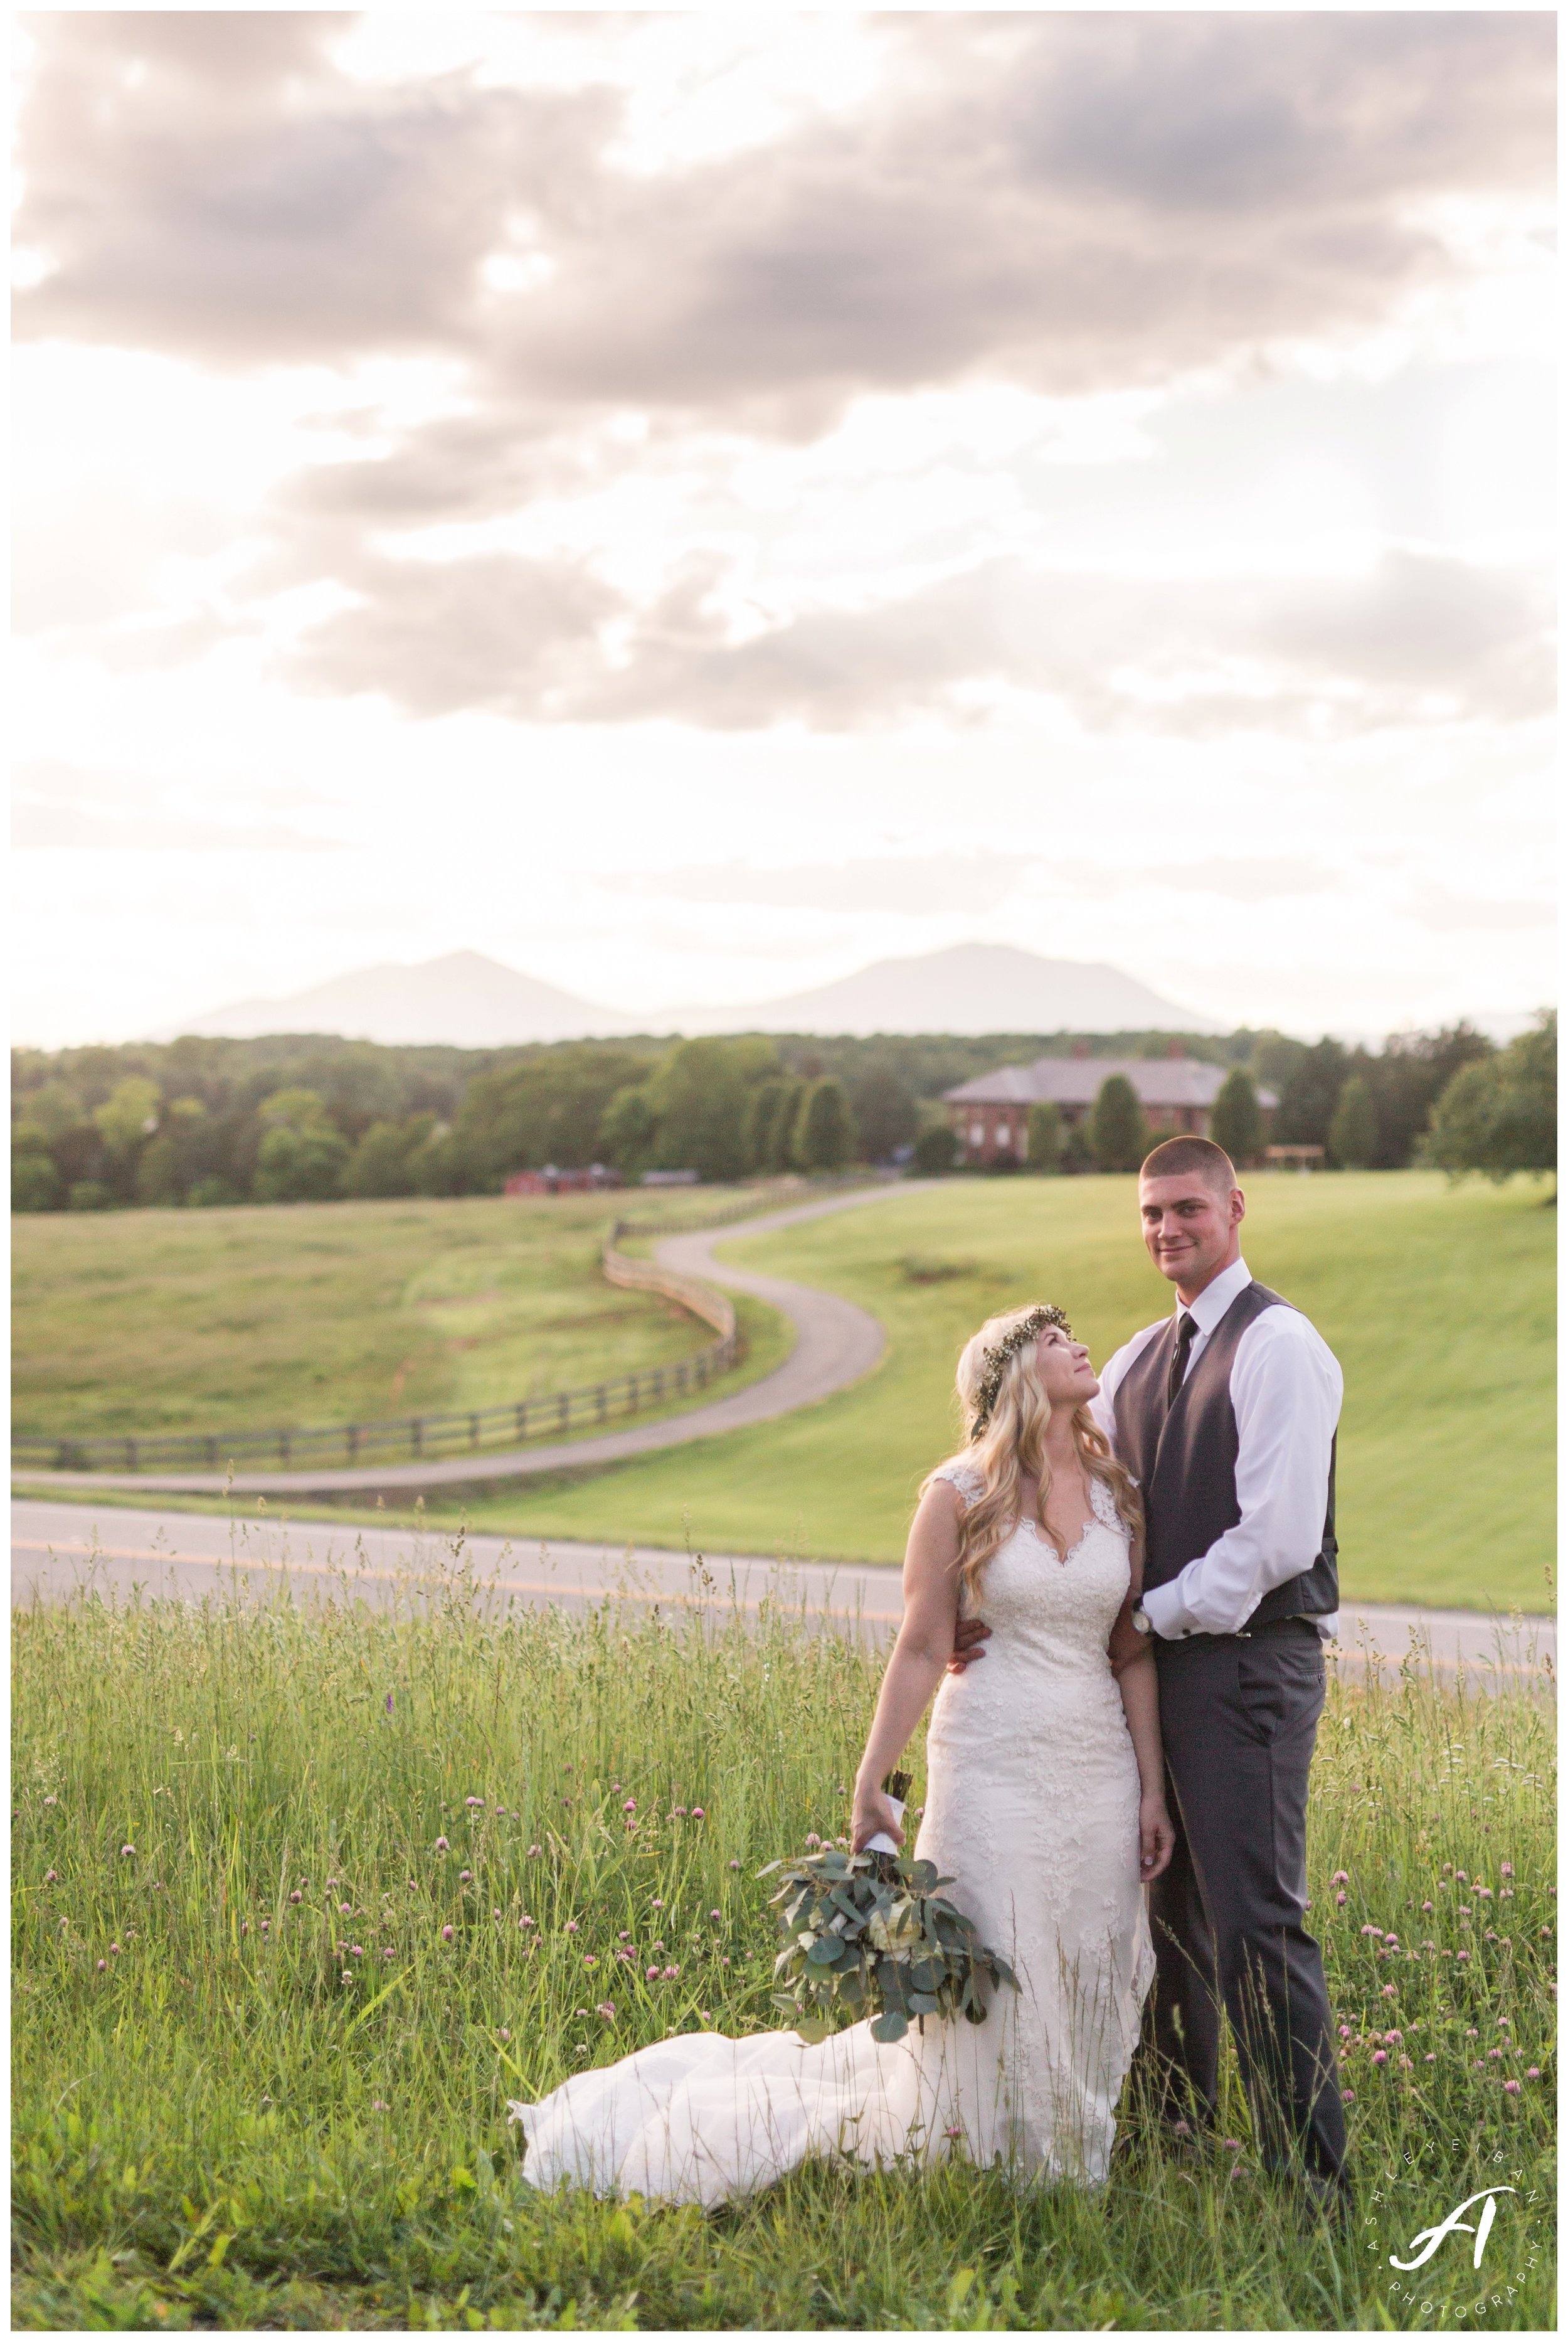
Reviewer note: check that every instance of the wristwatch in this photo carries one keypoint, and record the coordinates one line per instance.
(1141, 1619)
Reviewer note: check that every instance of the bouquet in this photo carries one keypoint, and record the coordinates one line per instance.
(870, 1935)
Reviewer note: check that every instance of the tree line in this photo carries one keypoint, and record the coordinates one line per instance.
(308, 1118)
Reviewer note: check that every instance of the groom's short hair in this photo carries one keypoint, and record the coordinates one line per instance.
(1173, 1155)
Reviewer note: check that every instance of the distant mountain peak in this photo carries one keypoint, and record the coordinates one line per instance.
(467, 999)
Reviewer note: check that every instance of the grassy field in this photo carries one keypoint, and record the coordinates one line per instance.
(1438, 1302)
(325, 1313)
(265, 2021)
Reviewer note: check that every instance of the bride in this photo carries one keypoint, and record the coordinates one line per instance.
(1045, 1805)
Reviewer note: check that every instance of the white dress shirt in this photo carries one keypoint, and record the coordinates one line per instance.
(1287, 1388)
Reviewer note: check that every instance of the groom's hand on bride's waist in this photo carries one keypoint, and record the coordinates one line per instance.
(968, 1644)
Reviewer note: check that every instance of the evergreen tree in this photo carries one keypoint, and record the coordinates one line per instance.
(1045, 1137)
(1353, 1132)
(1116, 1126)
(1237, 1124)
(770, 1101)
(824, 1132)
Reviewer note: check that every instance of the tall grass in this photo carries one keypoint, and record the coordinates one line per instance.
(302, 1896)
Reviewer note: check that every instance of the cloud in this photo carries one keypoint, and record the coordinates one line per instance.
(1418, 638)
(59, 808)
(913, 884)
(1070, 202)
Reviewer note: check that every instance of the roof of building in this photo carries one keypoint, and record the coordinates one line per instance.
(1159, 1082)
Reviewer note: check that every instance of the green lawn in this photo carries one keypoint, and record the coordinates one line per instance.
(1438, 1302)
(324, 1313)
(264, 2021)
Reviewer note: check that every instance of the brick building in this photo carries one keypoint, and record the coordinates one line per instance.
(990, 1115)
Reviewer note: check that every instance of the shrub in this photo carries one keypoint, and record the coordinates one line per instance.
(1046, 1136)
(34, 1185)
(383, 1162)
(90, 1195)
(935, 1151)
(214, 1191)
(1117, 1131)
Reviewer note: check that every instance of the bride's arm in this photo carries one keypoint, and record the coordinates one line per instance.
(1140, 1689)
(923, 1647)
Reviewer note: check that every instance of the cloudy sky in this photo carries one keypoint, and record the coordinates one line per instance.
(689, 504)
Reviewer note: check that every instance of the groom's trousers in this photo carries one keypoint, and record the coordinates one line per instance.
(1239, 1716)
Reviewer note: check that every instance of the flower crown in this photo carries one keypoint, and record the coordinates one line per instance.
(1000, 1355)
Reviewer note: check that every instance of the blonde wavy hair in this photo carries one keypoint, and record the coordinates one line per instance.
(1006, 1445)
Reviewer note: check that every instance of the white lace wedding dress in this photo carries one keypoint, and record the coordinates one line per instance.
(1032, 1808)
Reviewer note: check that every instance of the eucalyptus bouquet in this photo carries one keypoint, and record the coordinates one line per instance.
(869, 1934)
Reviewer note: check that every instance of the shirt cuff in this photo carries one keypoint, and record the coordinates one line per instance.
(1167, 1613)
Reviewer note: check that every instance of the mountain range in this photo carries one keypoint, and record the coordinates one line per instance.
(478, 1003)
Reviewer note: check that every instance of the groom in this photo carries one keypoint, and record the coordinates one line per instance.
(1225, 1413)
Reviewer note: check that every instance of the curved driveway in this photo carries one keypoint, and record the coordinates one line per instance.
(835, 1344)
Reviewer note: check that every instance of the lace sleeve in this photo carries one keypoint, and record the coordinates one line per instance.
(963, 1477)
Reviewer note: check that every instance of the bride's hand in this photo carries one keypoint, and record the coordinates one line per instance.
(1156, 1837)
(872, 1814)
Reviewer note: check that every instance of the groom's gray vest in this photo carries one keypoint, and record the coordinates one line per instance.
(1185, 1460)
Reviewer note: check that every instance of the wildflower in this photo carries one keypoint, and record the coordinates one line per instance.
(672, 1971)
(1345, 2033)
(1427, 1906)
(699, 1814)
(446, 1935)
(1340, 1899)
(1461, 1955)
(571, 1926)
(128, 1849)
(473, 1801)
(1533, 2073)
(295, 1897)
(734, 1866)
(440, 1845)
(1390, 1992)
(102, 1966)
(1431, 2059)
(329, 1884)
(1380, 2057)
(589, 1961)
(657, 1945)
(378, 2106)
(387, 1953)
(495, 1914)
(51, 1801)
(725, 1961)
(526, 1922)
(389, 1703)
(1182, 2129)
(1340, 1878)
(1406, 2065)
(715, 1915)
(1395, 2035)
(652, 1975)
(50, 1877)
(1512, 2087)
(704, 2016)
(1494, 2054)
(630, 1806)
(1505, 2025)
(115, 1948)
(1464, 1911)
(607, 2009)
(356, 1951)
(533, 1850)
(1370, 1930)
(1483, 1894)
(344, 1906)
(1546, 1931)
(1233, 2145)
(658, 1904)
(678, 1813)
(812, 1838)
(629, 1957)
(464, 1876)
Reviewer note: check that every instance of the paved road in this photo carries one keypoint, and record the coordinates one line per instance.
(56, 1548)
(835, 1344)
